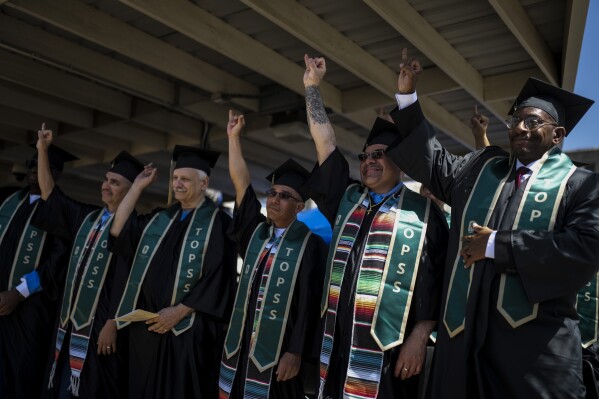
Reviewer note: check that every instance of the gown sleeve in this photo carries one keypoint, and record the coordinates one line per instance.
(327, 183)
(418, 153)
(52, 271)
(307, 294)
(125, 245)
(429, 280)
(246, 218)
(61, 215)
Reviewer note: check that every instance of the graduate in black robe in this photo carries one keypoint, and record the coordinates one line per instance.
(329, 180)
(104, 373)
(27, 316)
(490, 358)
(300, 336)
(161, 363)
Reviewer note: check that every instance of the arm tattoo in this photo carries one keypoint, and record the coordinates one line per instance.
(314, 106)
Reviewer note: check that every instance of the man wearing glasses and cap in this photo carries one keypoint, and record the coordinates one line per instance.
(524, 240)
(385, 265)
(86, 361)
(275, 316)
(183, 271)
(26, 316)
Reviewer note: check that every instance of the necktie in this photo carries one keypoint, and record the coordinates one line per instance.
(520, 175)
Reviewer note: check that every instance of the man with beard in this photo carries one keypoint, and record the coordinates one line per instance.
(276, 308)
(26, 315)
(524, 240)
(87, 361)
(183, 270)
(385, 265)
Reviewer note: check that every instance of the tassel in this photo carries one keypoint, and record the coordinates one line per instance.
(52, 372)
(169, 200)
(74, 387)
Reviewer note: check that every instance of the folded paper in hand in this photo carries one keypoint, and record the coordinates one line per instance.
(137, 315)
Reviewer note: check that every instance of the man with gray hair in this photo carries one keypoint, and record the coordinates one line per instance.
(175, 353)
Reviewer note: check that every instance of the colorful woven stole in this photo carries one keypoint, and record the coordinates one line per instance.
(92, 238)
(385, 284)
(537, 211)
(32, 239)
(274, 298)
(191, 258)
(587, 305)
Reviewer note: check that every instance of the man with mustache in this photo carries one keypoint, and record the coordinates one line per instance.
(384, 271)
(524, 240)
(87, 361)
(183, 270)
(275, 317)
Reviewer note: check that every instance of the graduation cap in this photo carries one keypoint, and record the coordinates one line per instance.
(290, 174)
(382, 132)
(196, 158)
(565, 107)
(126, 165)
(56, 157)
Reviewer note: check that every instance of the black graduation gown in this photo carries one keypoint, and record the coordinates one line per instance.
(25, 334)
(184, 366)
(302, 325)
(102, 376)
(326, 186)
(490, 359)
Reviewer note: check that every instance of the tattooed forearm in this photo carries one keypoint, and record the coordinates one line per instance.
(314, 106)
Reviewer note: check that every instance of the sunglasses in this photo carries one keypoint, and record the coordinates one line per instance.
(376, 154)
(282, 195)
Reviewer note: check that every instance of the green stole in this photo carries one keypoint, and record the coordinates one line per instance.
(278, 291)
(587, 305)
(81, 312)
(191, 258)
(404, 247)
(32, 239)
(387, 269)
(537, 211)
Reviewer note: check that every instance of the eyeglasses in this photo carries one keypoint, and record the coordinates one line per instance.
(282, 195)
(530, 122)
(376, 154)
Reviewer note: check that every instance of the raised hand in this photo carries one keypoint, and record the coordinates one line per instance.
(316, 68)
(44, 138)
(236, 124)
(168, 318)
(146, 177)
(479, 123)
(409, 69)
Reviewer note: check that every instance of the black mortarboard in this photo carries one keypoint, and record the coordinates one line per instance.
(290, 174)
(382, 132)
(196, 158)
(565, 107)
(126, 165)
(56, 157)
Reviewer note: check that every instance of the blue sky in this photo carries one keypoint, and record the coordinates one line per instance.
(586, 134)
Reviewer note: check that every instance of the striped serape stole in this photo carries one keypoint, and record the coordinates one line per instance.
(345, 243)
